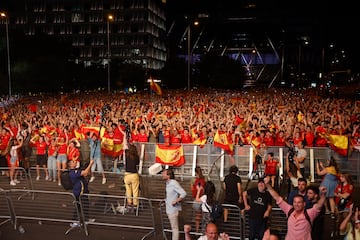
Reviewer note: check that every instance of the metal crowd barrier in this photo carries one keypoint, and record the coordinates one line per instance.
(62, 207)
(213, 159)
(234, 226)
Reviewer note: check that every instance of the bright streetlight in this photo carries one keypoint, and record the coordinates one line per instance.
(189, 52)
(109, 18)
(3, 15)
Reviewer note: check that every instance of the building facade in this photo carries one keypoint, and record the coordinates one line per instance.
(131, 31)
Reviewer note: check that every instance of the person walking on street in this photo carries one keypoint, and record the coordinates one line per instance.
(174, 195)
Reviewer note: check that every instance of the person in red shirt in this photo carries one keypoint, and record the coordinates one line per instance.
(343, 192)
(61, 148)
(269, 139)
(186, 137)
(143, 135)
(175, 137)
(309, 137)
(41, 160)
(280, 139)
(73, 152)
(271, 167)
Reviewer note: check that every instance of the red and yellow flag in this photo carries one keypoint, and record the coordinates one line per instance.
(170, 155)
(221, 141)
(155, 87)
(108, 147)
(339, 143)
(200, 142)
(94, 130)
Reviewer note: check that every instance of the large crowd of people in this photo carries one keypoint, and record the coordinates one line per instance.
(272, 117)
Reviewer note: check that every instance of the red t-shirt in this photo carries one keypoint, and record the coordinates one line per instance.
(40, 148)
(270, 167)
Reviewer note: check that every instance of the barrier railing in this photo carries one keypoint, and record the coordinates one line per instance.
(234, 225)
(62, 207)
(210, 157)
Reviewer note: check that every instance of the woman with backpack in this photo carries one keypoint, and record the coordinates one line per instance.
(198, 181)
(207, 201)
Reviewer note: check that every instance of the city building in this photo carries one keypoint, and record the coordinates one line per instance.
(99, 30)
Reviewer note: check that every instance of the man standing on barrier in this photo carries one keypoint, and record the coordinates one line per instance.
(80, 186)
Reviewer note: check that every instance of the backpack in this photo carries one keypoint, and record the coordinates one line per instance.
(305, 213)
(66, 180)
(216, 211)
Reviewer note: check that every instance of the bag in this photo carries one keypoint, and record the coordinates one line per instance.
(216, 211)
(66, 180)
(342, 203)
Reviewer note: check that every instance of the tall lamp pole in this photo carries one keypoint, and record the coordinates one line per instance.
(189, 52)
(3, 15)
(188, 55)
(109, 18)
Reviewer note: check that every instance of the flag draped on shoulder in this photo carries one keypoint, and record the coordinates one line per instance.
(339, 143)
(170, 155)
(155, 87)
(221, 141)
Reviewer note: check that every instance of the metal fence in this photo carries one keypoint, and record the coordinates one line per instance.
(215, 162)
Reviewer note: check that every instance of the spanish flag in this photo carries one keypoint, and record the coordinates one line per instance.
(221, 141)
(95, 130)
(155, 87)
(200, 142)
(339, 143)
(108, 147)
(170, 155)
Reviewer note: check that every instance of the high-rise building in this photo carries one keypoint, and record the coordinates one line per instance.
(127, 30)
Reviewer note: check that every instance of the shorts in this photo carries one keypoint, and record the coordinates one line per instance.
(62, 158)
(196, 206)
(41, 160)
(13, 160)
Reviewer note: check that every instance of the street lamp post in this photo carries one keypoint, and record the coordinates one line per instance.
(189, 54)
(109, 18)
(3, 15)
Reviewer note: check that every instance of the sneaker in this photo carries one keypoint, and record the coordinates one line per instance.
(74, 224)
(12, 183)
(59, 183)
(54, 180)
(16, 181)
(46, 178)
(92, 179)
(37, 178)
(103, 180)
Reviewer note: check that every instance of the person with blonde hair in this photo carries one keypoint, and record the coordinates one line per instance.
(329, 181)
